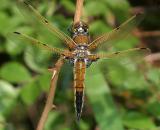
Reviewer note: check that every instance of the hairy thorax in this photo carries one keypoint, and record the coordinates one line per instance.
(81, 53)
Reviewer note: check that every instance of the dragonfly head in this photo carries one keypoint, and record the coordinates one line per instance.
(80, 28)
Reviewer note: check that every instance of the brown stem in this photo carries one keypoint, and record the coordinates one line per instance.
(153, 57)
(147, 33)
(49, 104)
(78, 12)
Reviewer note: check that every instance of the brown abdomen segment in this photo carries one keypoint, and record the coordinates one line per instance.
(79, 75)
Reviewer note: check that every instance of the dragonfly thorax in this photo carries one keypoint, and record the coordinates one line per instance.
(81, 53)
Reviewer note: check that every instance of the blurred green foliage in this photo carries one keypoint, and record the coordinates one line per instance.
(124, 99)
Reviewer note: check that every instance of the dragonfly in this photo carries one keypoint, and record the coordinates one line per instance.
(80, 51)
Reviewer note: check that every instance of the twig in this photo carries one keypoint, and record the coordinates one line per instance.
(49, 104)
(153, 57)
(78, 12)
(147, 33)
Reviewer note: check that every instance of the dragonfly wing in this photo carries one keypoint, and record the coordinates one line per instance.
(125, 59)
(124, 70)
(130, 53)
(33, 15)
(118, 33)
(37, 55)
(27, 39)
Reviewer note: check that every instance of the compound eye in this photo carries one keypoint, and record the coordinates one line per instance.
(86, 30)
(74, 30)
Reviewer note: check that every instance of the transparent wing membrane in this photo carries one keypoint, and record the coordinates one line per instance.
(37, 59)
(37, 55)
(130, 53)
(119, 73)
(116, 61)
(23, 37)
(33, 15)
(111, 38)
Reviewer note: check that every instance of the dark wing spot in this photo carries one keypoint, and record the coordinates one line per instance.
(143, 48)
(46, 21)
(147, 49)
(118, 28)
(17, 33)
(44, 44)
(117, 52)
(26, 3)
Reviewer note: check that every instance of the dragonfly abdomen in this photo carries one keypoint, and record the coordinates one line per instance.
(79, 75)
(79, 103)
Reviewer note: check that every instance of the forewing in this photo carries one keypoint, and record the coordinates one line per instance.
(38, 21)
(113, 37)
(37, 55)
(34, 42)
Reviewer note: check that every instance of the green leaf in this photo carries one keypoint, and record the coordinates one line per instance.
(95, 8)
(8, 95)
(4, 4)
(44, 81)
(14, 72)
(153, 108)
(68, 5)
(99, 27)
(121, 77)
(118, 4)
(30, 92)
(83, 125)
(136, 81)
(138, 121)
(4, 22)
(119, 7)
(55, 120)
(15, 45)
(14, 48)
(2, 122)
(127, 42)
(101, 101)
(124, 76)
(154, 76)
(37, 59)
